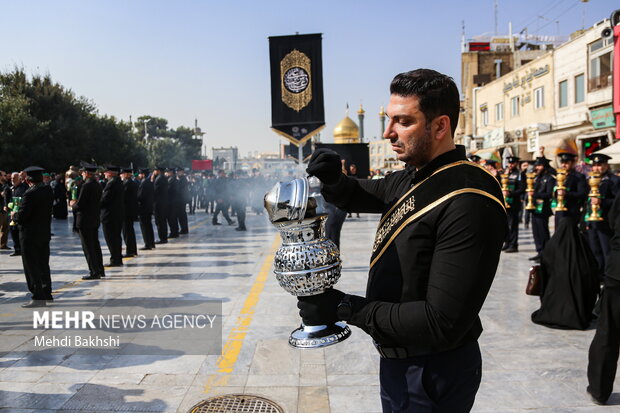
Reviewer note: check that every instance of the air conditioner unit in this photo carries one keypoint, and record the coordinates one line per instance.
(518, 133)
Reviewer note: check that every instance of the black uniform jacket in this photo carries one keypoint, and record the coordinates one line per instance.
(609, 189)
(87, 207)
(35, 212)
(130, 190)
(182, 190)
(161, 193)
(612, 269)
(543, 192)
(173, 191)
(113, 201)
(576, 192)
(146, 197)
(426, 290)
(517, 185)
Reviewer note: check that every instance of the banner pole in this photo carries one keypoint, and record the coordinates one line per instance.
(300, 156)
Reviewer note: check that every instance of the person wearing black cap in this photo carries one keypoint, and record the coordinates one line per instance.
(113, 215)
(475, 158)
(17, 190)
(599, 232)
(130, 193)
(146, 196)
(221, 191)
(173, 199)
(183, 199)
(543, 193)
(491, 166)
(87, 210)
(576, 191)
(516, 189)
(160, 203)
(35, 220)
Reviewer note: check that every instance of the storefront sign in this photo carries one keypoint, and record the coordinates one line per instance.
(494, 138)
(532, 141)
(602, 118)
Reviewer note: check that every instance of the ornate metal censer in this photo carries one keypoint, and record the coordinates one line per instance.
(307, 263)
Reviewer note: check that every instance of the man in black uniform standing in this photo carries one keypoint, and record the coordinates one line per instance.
(113, 215)
(183, 198)
(516, 189)
(87, 211)
(599, 232)
(35, 220)
(576, 191)
(130, 193)
(17, 190)
(221, 194)
(435, 252)
(543, 192)
(146, 195)
(173, 199)
(160, 203)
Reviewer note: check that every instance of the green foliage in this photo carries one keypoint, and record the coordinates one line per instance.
(44, 124)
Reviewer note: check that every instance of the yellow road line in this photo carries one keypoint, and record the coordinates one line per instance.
(234, 342)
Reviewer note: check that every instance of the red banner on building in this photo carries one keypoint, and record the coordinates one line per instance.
(200, 165)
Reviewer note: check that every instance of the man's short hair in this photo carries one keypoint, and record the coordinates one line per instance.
(437, 93)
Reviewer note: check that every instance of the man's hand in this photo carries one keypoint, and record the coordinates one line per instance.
(595, 201)
(325, 164)
(320, 309)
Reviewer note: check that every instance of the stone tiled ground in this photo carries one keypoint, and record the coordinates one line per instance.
(526, 367)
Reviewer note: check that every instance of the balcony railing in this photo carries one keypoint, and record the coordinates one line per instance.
(599, 82)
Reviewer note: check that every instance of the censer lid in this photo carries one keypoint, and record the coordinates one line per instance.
(287, 201)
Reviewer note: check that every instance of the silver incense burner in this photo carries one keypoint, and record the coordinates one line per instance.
(307, 263)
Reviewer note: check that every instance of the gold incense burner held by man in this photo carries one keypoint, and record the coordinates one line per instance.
(594, 182)
(561, 178)
(530, 191)
(505, 189)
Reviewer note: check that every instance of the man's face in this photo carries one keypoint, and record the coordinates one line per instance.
(568, 165)
(524, 166)
(408, 131)
(46, 179)
(140, 176)
(600, 168)
(2, 176)
(539, 169)
(109, 174)
(513, 165)
(16, 178)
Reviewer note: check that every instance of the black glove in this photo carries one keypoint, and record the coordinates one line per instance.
(320, 309)
(325, 164)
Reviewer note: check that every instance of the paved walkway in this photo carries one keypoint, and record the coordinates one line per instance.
(526, 367)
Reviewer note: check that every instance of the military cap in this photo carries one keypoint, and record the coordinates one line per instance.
(600, 158)
(127, 169)
(474, 158)
(512, 159)
(145, 171)
(179, 169)
(112, 168)
(541, 160)
(490, 162)
(567, 157)
(34, 171)
(88, 167)
(160, 168)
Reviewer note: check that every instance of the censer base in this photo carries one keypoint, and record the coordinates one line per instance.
(319, 336)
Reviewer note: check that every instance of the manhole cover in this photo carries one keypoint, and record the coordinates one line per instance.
(236, 403)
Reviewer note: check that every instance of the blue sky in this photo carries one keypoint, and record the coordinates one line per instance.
(209, 59)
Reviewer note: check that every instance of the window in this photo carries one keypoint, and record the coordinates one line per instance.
(499, 111)
(539, 97)
(579, 88)
(563, 102)
(514, 106)
(485, 117)
(600, 71)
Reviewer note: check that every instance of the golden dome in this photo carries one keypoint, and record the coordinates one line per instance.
(382, 112)
(346, 131)
(361, 110)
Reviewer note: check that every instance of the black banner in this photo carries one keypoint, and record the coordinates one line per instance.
(352, 153)
(292, 151)
(297, 111)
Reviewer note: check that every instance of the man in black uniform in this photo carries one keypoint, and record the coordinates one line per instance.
(146, 195)
(17, 190)
(435, 252)
(543, 192)
(603, 354)
(130, 193)
(173, 199)
(183, 198)
(239, 198)
(599, 232)
(35, 220)
(516, 189)
(113, 215)
(221, 194)
(160, 203)
(87, 212)
(576, 191)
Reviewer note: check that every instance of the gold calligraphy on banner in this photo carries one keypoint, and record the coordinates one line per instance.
(296, 80)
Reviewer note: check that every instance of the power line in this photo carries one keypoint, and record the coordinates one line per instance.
(542, 12)
(560, 15)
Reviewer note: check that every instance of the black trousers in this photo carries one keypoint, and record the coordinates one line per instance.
(603, 354)
(182, 217)
(14, 229)
(146, 226)
(171, 217)
(160, 223)
(129, 236)
(223, 207)
(36, 260)
(112, 234)
(512, 236)
(92, 250)
(437, 383)
(599, 235)
(540, 230)
(239, 208)
(334, 223)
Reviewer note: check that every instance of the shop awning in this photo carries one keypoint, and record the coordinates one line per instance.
(612, 150)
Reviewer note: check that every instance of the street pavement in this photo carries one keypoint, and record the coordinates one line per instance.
(526, 367)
